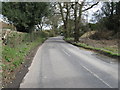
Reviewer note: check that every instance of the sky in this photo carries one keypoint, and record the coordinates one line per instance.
(1, 18)
(93, 10)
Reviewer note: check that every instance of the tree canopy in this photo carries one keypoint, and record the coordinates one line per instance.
(109, 17)
(25, 15)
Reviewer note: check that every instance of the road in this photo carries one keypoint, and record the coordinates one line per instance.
(58, 64)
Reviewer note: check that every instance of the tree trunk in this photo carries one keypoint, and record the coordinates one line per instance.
(21, 29)
(77, 21)
(76, 30)
(65, 19)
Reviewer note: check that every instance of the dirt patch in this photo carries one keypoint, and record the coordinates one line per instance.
(101, 39)
(101, 43)
(22, 70)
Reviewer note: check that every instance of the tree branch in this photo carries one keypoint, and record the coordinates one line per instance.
(90, 7)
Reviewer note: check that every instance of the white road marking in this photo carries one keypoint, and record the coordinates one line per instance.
(66, 52)
(96, 76)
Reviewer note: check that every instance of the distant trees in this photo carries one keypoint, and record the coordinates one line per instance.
(25, 15)
(109, 16)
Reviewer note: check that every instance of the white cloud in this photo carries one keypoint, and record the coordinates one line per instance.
(1, 18)
(91, 11)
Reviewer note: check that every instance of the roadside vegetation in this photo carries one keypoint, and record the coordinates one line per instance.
(101, 33)
(26, 22)
(21, 34)
(106, 47)
(15, 49)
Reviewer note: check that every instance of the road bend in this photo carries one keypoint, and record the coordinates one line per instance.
(58, 64)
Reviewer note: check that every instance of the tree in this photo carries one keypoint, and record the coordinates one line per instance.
(109, 16)
(41, 23)
(74, 10)
(25, 15)
(117, 17)
(78, 10)
(65, 17)
(53, 21)
(108, 10)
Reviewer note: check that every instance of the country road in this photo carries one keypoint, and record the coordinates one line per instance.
(58, 64)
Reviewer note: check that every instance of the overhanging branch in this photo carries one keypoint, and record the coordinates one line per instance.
(90, 7)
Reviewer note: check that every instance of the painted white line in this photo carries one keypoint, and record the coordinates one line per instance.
(66, 53)
(96, 76)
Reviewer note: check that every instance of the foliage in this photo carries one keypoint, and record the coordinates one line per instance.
(73, 11)
(14, 57)
(25, 15)
(112, 51)
(93, 26)
(109, 17)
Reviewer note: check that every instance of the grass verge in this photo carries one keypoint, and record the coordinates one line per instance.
(15, 51)
(112, 52)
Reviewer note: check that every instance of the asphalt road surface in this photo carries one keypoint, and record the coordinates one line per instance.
(58, 64)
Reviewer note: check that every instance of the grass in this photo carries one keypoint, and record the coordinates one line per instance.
(113, 51)
(15, 56)
(14, 53)
(106, 50)
(69, 39)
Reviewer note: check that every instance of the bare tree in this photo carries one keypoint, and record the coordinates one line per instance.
(65, 13)
(78, 9)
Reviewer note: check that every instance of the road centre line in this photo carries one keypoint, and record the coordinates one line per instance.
(66, 52)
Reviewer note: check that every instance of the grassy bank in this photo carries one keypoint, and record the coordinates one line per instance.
(107, 50)
(16, 48)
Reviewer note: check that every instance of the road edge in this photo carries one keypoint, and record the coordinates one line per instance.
(24, 68)
(99, 51)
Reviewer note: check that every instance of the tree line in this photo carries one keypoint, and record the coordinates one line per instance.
(109, 16)
(65, 17)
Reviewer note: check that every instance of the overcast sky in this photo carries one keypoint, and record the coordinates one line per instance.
(0, 17)
(93, 10)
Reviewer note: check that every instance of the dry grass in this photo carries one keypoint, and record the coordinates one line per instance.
(5, 25)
